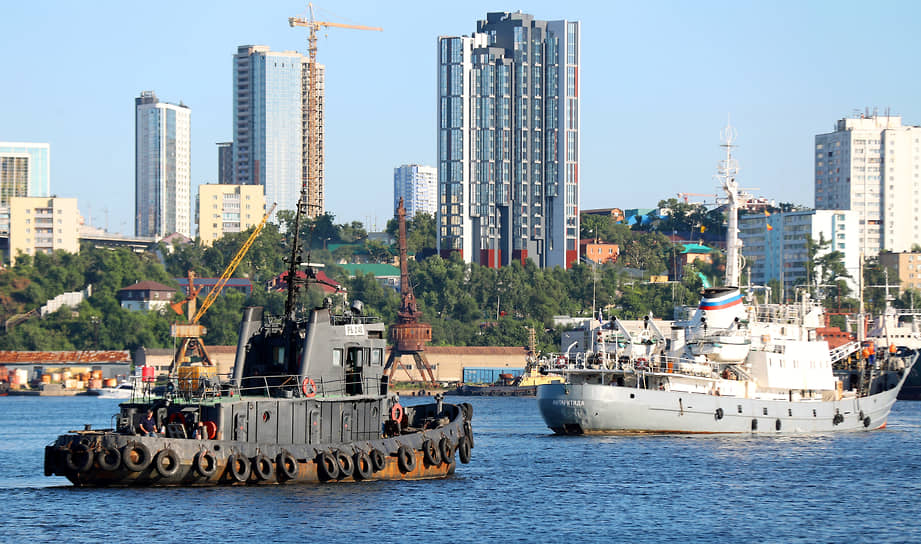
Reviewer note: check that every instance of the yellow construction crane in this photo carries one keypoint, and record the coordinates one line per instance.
(191, 333)
(311, 178)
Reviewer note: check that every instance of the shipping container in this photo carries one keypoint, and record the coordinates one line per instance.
(488, 374)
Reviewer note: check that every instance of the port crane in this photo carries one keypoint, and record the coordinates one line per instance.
(313, 147)
(191, 344)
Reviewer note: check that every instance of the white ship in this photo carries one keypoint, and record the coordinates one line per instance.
(735, 366)
(123, 390)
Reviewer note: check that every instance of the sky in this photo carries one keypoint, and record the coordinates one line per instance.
(659, 80)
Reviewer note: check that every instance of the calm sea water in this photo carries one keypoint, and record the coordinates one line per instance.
(523, 485)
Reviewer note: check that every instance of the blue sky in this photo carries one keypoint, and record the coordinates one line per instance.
(659, 80)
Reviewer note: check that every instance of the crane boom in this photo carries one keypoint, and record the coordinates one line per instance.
(299, 21)
(216, 290)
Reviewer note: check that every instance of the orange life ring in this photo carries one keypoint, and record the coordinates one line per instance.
(309, 388)
(210, 429)
(396, 413)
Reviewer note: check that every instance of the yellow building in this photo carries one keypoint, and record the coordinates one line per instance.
(907, 268)
(228, 208)
(43, 225)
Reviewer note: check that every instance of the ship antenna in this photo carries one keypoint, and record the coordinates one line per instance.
(726, 172)
(294, 260)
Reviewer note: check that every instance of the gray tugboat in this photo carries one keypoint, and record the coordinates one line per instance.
(308, 401)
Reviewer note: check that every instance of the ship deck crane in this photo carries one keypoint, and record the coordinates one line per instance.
(313, 149)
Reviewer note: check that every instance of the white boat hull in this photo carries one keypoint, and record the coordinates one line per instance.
(600, 409)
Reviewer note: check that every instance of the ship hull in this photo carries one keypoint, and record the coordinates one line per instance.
(605, 409)
(110, 459)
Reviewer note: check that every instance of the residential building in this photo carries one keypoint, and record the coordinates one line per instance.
(163, 163)
(598, 252)
(271, 140)
(25, 170)
(225, 163)
(871, 164)
(42, 225)
(905, 269)
(508, 141)
(227, 208)
(146, 295)
(417, 185)
(774, 246)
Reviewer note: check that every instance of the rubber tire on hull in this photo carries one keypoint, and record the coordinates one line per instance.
(286, 466)
(406, 459)
(377, 460)
(446, 449)
(468, 433)
(364, 469)
(262, 467)
(79, 458)
(141, 452)
(866, 421)
(430, 453)
(205, 463)
(346, 466)
(109, 459)
(51, 459)
(327, 466)
(166, 463)
(463, 450)
(239, 467)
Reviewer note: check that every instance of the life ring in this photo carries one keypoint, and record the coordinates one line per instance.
(396, 413)
(309, 388)
(286, 465)
(446, 450)
(327, 466)
(262, 467)
(719, 414)
(406, 459)
(210, 429)
(346, 466)
(463, 450)
(430, 453)
(79, 458)
(377, 460)
(239, 467)
(167, 463)
(109, 459)
(363, 467)
(135, 457)
(468, 433)
(205, 463)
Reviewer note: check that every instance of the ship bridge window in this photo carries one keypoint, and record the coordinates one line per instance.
(377, 355)
(337, 357)
(357, 357)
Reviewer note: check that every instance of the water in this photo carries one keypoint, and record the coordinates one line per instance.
(523, 485)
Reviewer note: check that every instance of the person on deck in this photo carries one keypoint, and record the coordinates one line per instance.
(148, 426)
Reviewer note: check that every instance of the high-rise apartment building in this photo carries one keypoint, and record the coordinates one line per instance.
(775, 247)
(163, 163)
(870, 164)
(508, 141)
(417, 185)
(271, 139)
(25, 170)
(43, 225)
(225, 163)
(228, 208)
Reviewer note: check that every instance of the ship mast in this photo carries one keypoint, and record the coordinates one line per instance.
(726, 172)
(295, 259)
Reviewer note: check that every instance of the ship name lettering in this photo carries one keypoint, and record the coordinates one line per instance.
(569, 402)
(354, 330)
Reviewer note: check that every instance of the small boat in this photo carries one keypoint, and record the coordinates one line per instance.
(123, 390)
(735, 366)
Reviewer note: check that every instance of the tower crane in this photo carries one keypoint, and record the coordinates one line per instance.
(311, 178)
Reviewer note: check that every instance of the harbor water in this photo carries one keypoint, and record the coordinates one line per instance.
(523, 485)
